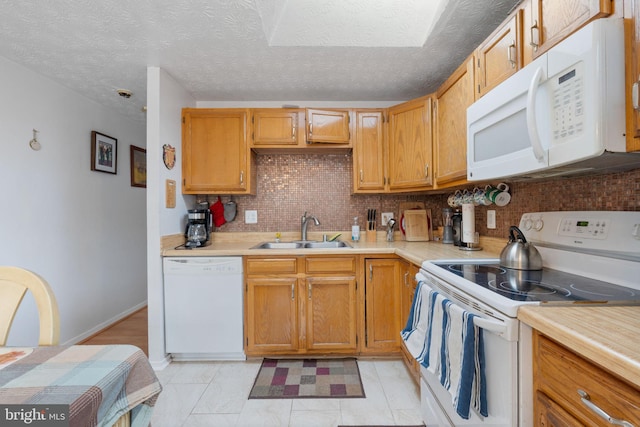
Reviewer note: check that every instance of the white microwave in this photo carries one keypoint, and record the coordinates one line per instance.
(564, 113)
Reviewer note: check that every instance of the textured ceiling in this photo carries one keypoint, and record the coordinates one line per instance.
(218, 51)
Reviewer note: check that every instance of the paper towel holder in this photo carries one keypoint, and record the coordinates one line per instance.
(469, 239)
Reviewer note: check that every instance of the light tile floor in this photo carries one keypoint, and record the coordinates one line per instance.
(211, 394)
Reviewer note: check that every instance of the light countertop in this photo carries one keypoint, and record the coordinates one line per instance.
(609, 336)
(240, 244)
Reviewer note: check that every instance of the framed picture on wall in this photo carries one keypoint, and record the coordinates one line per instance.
(138, 166)
(104, 153)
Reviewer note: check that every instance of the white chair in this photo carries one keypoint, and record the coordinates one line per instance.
(14, 284)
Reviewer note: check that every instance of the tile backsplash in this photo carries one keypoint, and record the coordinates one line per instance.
(321, 184)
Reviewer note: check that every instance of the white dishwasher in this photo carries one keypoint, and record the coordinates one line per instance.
(203, 308)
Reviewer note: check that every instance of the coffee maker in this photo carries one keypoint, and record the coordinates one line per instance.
(198, 228)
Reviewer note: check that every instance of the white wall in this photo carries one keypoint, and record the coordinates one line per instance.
(83, 231)
(165, 100)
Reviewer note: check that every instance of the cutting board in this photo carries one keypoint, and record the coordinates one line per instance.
(416, 225)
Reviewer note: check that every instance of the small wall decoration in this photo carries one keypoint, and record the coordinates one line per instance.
(169, 156)
(138, 166)
(104, 153)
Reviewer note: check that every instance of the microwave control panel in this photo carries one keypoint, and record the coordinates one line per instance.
(568, 103)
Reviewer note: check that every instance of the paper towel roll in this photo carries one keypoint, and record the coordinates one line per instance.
(468, 222)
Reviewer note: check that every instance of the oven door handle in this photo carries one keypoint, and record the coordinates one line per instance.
(494, 326)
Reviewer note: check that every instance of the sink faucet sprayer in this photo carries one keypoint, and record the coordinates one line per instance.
(390, 224)
(304, 222)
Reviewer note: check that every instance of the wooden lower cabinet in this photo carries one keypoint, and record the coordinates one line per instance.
(382, 306)
(559, 378)
(272, 317)
(331, 313)
(550, 414)
(300, 305)
(408, 286)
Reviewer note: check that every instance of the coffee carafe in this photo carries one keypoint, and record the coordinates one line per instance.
(198, 228)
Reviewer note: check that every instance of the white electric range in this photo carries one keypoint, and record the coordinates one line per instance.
(588, 258)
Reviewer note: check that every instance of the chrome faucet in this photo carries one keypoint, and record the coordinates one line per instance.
(304, 222)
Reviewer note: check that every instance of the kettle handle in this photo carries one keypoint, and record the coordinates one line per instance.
(515, 230)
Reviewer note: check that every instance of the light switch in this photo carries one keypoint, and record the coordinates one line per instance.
(251, 217)
(491, 219)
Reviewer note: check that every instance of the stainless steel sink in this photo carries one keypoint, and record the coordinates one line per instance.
(279, 245)
(302, 245)
(334, 244)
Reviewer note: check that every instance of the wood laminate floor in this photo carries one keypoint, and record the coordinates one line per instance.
(130, 330)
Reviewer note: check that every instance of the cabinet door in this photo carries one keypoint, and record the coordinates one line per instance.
(328, 126)
(272, 319)
(408, 285)
(553, 20)
(275, 126)
(550, 414)
(500, 55)
(453, 98)
(368, 153)
(632, 71)
(331, 313)
(382, 304)
(407, 289)
(215, 151)
(410, 145)
(569, 380)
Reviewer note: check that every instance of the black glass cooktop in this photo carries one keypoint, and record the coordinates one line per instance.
(545, 285)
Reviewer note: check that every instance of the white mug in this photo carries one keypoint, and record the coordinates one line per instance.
(498, 194)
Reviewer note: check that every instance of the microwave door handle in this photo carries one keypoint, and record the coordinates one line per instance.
(532, 125)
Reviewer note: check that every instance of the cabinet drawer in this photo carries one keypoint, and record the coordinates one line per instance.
(345, 264)
(560, 374)
(272, 266)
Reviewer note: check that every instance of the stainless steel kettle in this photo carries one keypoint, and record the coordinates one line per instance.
(520, 254)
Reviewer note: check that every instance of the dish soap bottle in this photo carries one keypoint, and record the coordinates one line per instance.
(355, 230)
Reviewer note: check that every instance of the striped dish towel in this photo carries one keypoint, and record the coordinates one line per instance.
(442, 337)
(461, 368)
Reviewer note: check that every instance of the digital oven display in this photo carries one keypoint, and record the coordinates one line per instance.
(567, 76)
(582, 223)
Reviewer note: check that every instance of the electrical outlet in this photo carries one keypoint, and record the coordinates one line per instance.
(250, 217)
(386, 216)
(491, 219)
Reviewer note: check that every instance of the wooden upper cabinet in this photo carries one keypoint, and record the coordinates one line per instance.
(215, 152)
(328, 126)
(500, 56)
(369, 160)
(453, 99)
(632, 72)
(275, 126)
(410, 145)
(550, 21)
